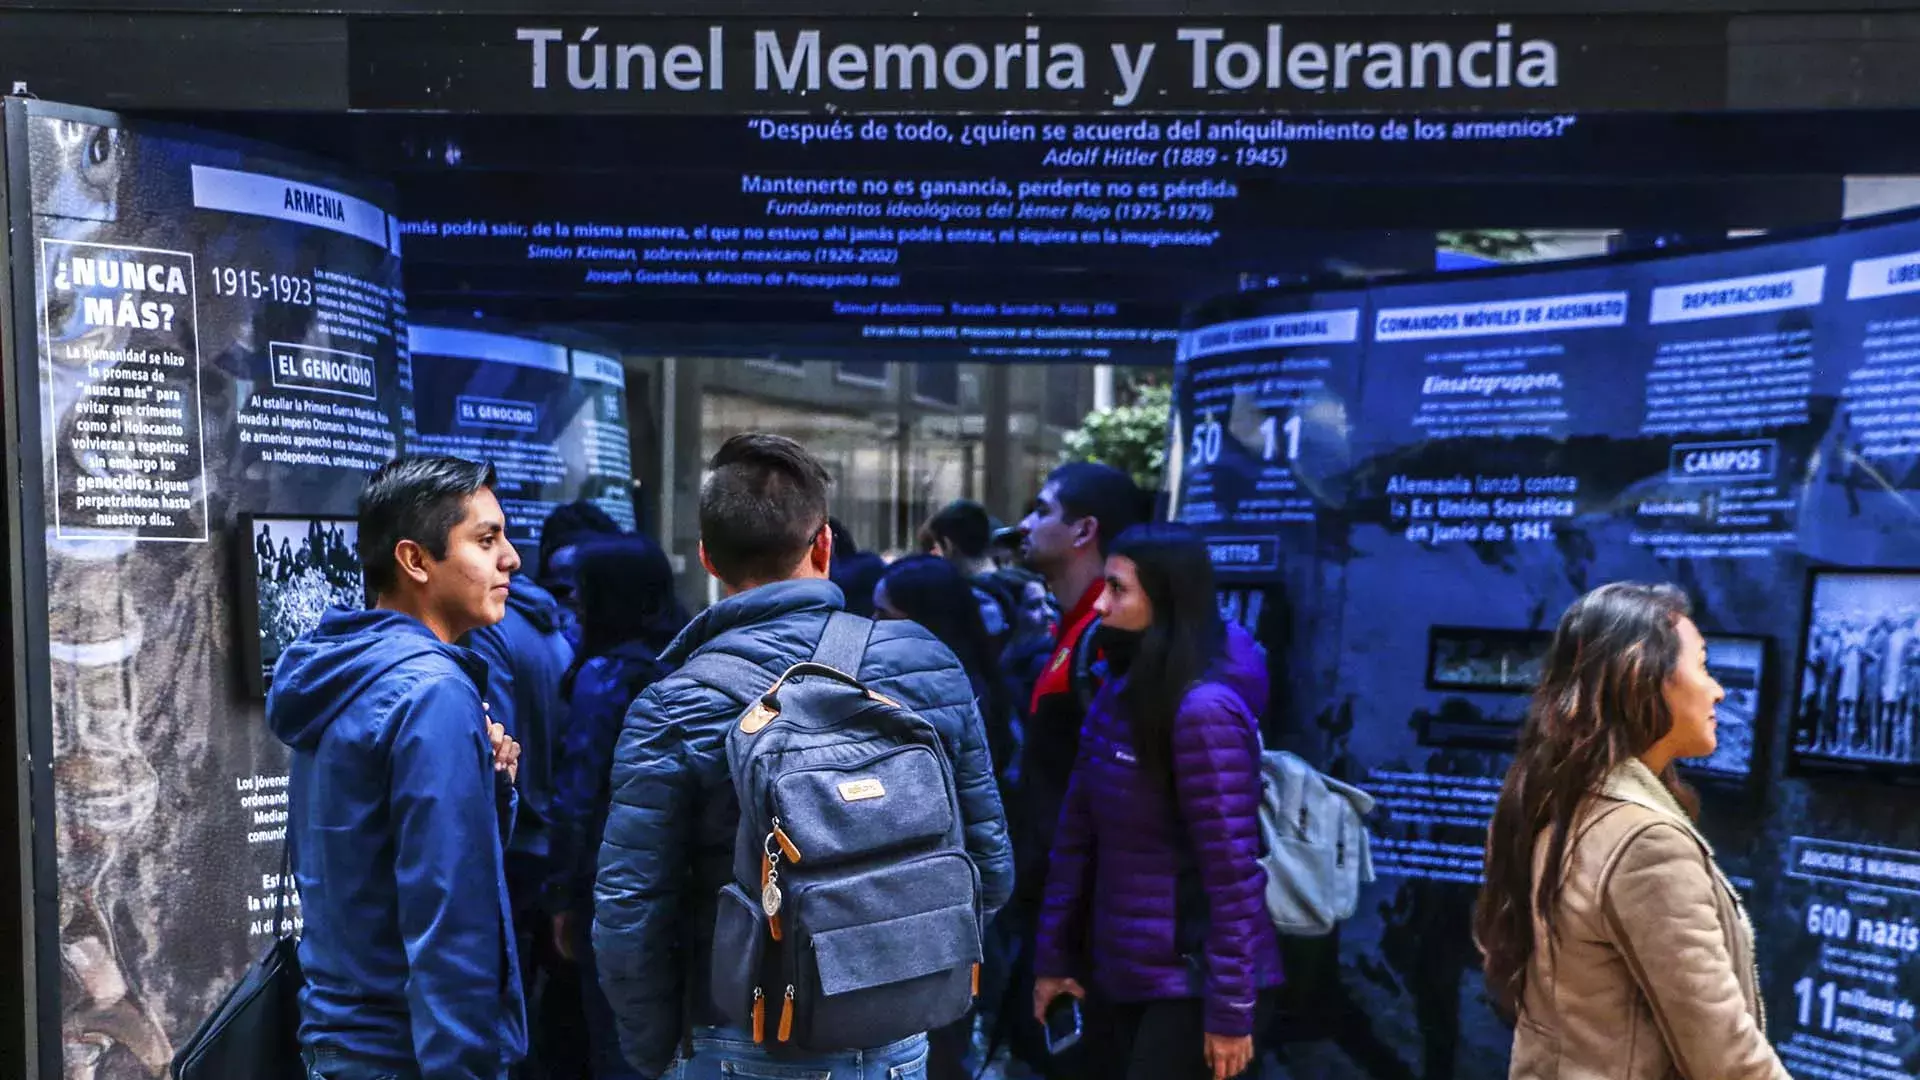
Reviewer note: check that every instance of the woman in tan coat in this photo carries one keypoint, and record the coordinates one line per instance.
(1609, 935)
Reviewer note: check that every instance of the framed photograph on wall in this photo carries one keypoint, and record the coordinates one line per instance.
(1485, 660)
(1857, 701)
(292, 569)
(1740, 664)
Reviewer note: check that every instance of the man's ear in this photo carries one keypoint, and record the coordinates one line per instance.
(820, 555)
(411, 559)
(1086, 531)
(706, 563)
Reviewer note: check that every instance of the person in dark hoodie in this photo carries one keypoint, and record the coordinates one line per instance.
(527, 654)
(401, 800)
(558, 567)
(934, 592)
(628, 616)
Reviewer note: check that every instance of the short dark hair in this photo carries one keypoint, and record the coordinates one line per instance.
(762, 505)
(964, 524)
(1089, 489)
(418, 498)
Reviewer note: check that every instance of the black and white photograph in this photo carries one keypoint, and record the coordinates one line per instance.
(302, 567)
(1859, 692)
(1485, 660)
(1738, 664)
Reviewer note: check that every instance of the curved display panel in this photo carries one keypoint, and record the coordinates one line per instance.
(1403, 459)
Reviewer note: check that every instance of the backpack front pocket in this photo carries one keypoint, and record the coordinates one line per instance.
(870, 969)
(877, 980)
(892, 801)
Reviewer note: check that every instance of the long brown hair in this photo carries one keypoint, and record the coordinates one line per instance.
(1599, 704)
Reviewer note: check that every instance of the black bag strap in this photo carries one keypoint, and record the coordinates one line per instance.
(1080, 676)
(280, 884)
(843, 644)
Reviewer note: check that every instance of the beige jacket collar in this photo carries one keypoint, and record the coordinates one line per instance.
(1635, 783)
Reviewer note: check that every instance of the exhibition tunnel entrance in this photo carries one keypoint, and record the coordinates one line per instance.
(1421, 346)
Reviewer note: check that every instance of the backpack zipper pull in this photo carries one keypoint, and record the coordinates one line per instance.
(770, 896)
(759, 1016)
(786, 1016)
(786, 845)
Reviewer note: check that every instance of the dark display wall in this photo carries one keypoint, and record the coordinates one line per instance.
(1471, 454)
(1028, 237)
(205, 330)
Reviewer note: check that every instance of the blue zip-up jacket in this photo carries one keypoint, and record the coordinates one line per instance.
(527, 655)
(397, 825)
(670, 832)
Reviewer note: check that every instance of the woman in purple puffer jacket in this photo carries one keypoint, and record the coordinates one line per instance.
(1154, 894)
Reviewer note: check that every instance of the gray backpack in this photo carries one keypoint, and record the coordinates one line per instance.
(1317, 855)
(853, 919)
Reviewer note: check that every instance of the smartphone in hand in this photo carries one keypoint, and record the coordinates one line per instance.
(1063, 1023)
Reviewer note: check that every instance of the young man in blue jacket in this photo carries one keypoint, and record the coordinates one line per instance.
(670, 833)
(401, 800)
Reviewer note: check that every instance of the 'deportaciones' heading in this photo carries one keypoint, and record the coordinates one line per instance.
(1211, 60)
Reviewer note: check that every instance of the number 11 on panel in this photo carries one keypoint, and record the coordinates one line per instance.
(1270, 430)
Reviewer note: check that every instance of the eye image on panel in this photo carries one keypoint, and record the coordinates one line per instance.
(1484, 660)
(294, 569)
(1859, 692)
(1739, 665)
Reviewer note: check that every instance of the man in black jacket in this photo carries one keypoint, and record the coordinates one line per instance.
(670, 833)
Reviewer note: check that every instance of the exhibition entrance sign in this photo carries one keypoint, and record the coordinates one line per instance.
(591, 57)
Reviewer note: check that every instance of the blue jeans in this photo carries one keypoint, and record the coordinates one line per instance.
(323, 1064)
(730, 1054)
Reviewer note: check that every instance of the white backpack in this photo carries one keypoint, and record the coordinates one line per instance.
(1317, 853)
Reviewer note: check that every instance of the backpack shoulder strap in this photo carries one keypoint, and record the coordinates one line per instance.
(739, 679)
(843, 644)
(1080, 676)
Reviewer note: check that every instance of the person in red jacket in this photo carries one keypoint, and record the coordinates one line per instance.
(1079, 511)
(1075, 518)
(1155, 895)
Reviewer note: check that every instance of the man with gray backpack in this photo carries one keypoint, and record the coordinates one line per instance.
(806, 838)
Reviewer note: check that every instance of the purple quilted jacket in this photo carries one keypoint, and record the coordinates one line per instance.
(1158, 895)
